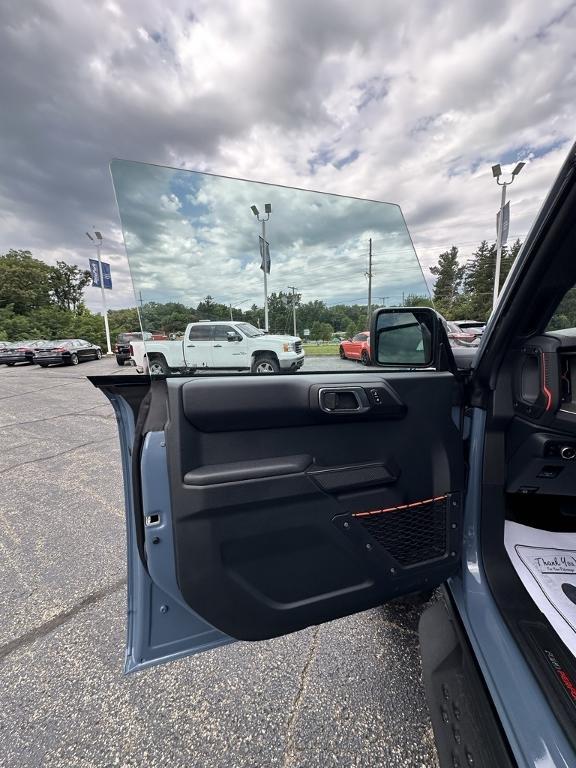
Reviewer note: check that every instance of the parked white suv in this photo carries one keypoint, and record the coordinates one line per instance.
(220, 345)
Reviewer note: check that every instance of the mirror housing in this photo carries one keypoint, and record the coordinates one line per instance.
(410, 337)
(232, 336)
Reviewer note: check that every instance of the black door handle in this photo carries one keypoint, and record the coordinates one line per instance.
(217, 345)
(190, 345)
(343, 400)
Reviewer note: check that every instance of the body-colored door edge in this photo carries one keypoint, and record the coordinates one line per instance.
(158, 628)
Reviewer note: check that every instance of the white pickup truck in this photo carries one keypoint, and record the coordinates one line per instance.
(218, 345)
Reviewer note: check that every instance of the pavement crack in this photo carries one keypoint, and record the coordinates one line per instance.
(289, 752)
(54, 455)
(33, 391)
(62, 618)
(55, 416)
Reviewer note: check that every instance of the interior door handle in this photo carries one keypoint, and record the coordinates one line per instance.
(343, 400)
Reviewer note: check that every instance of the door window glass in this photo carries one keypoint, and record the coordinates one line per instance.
(288, 265)
(221, 332)
(200, 333)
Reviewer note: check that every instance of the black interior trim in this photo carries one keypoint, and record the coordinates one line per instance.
(362, 475)
(267, 553)
(213, 474)
(279, 401)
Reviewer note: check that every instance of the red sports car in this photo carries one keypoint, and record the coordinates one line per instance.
(357, 348)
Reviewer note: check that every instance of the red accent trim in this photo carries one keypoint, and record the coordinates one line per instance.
(547, 392)
(401, 506)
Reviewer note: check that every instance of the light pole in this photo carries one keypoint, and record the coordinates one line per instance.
(98, 244)
(496, 173)
(264, 254)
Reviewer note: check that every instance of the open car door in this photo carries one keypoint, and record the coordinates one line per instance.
(260, 504)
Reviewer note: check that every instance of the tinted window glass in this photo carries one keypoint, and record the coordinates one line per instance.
(250, 330)
(221, 332)
(207, 247)
(200, 333)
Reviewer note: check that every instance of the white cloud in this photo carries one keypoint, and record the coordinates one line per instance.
(406, 102)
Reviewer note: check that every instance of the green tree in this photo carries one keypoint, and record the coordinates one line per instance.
(449, 274)
(479, 281)
(351, 329)
(564, 317)
(316, 331)
(123, 320)
(508, 258)
(24, 282)
(169, 317)
(67, 283)
(417, 300)
(326, 331)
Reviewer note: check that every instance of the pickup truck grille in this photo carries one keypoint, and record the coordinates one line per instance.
(298, 346)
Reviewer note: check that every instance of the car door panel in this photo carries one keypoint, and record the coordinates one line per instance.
(199, 347)
(227, 353)
(301, 516)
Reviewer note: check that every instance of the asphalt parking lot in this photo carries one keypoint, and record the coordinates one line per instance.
(347, 693)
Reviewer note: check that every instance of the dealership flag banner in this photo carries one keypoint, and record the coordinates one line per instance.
(505, 224)
(264, 255)
(95, 272)
(100, 279)
(106, 275)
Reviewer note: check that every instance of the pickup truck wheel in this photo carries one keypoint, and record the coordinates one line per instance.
(265, 365)
(157, 367)
(120, 360)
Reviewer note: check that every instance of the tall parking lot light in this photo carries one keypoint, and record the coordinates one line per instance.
(98, 243)
(265, 254)
(496, 173)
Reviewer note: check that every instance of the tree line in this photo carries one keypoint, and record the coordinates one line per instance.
(42, 301)
(466, 291)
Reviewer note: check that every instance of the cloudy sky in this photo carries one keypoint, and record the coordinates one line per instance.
(190, 234)
(404, 102)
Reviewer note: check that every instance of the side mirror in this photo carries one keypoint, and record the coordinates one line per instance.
(412, 337)
(232, 336)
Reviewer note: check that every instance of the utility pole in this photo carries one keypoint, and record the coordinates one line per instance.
(383, 299)
(497, 172)
(293, 288)
(139, 309)
(231, 315)
(369, 276)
